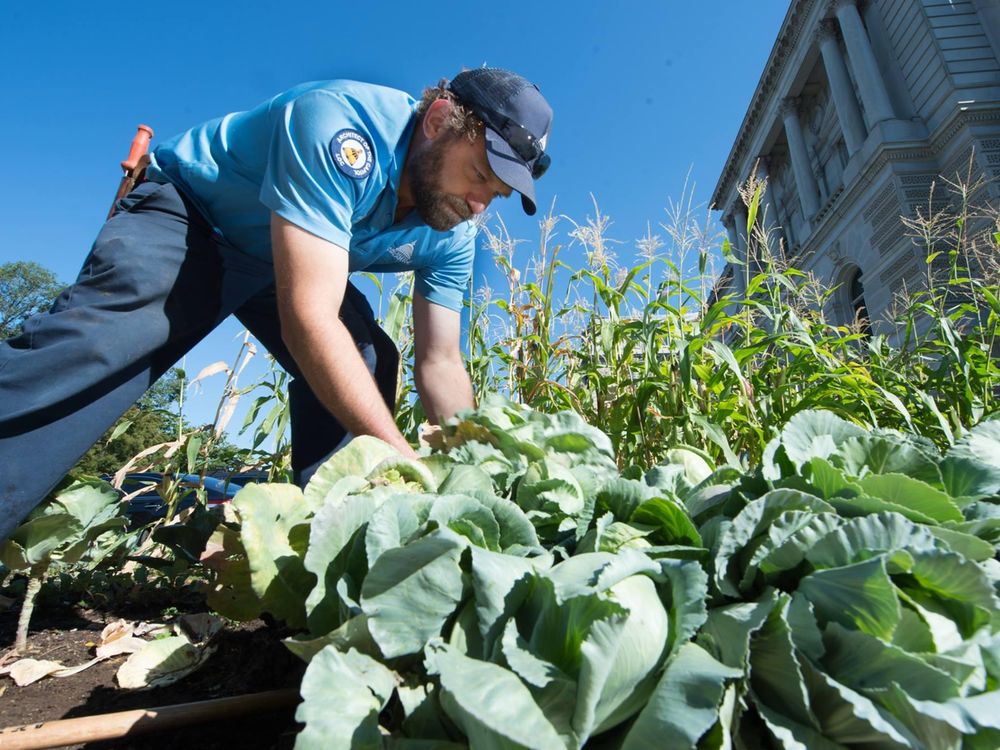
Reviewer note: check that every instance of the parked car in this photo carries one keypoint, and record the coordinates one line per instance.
(148, 505)
(243, 478)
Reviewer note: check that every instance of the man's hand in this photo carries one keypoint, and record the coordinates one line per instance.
(438, 370)
(311, 276)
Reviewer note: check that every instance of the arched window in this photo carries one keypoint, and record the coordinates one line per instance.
(859, 307)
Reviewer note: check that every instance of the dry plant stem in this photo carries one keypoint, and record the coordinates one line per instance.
(35, 577)
(230, 395)
(130, 723)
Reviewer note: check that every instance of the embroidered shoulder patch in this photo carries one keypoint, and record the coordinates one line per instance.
(352, 153)
(401, 253)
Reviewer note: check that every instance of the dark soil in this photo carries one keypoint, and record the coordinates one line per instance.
(249, 658)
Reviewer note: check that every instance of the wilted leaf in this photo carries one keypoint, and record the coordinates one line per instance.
(26, 671)
(162, 662)
(118, 638)
(126, 645)
(200, 627)
(208, 371)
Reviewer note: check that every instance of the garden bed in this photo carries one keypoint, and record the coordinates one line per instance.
(249, 658)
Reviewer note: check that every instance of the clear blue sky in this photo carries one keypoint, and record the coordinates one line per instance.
(644, 91)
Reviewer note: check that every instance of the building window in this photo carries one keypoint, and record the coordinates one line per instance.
(859, 307)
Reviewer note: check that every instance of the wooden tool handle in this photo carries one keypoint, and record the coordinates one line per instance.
(139, 147)
(129, 723)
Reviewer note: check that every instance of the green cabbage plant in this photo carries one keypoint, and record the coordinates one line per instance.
(62, 530)
(514, 589)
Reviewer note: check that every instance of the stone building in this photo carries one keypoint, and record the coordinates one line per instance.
(861, 106)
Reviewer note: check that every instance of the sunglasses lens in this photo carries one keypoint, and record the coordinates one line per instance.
(541, 166)
(521, 140)
(527, 148)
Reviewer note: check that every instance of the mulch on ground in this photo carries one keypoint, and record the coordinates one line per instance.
(249, 658)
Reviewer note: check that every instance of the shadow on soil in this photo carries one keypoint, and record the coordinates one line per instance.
(248, 660)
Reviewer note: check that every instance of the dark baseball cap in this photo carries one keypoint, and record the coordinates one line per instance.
(517, 120)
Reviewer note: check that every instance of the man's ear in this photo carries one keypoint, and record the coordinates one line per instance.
(435, 118)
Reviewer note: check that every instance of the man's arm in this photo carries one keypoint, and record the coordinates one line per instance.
(440, 375)
(311, 276)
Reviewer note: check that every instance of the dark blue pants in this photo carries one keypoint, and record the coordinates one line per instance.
(156, 282)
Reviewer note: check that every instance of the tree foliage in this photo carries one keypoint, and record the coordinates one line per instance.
(26, 288)
(151, 420)
(154, 419)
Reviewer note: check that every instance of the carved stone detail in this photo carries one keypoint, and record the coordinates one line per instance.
(828, 29)
(789, 106)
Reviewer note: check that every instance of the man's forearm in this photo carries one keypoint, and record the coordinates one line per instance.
(310, 277)
(444, 388)
(336, 373)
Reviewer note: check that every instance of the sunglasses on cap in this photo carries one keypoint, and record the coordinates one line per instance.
(518, 137)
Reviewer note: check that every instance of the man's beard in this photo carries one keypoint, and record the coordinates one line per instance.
(439, 210)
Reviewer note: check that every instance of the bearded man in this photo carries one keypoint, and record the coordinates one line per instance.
(263, 214)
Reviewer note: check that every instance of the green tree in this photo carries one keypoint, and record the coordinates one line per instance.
(152, 420)
(26, 288)
(226, 457)
(156, 419)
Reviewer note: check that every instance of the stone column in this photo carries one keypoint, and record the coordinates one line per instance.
(740, 216)
(770, 219)
(846, 106)
(805, 180)
(730, 224)
(729, 221)
(765, 214)
(871, 86)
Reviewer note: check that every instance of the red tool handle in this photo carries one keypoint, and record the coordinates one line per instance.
(140, 145)
(134, 166)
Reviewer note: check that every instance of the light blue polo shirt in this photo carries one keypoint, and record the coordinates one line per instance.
(327, 157)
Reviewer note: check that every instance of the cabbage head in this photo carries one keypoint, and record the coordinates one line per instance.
(639, 653)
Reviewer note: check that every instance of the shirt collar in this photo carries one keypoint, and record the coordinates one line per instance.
(395, 171)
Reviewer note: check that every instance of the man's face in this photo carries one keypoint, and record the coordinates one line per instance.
(451, 180)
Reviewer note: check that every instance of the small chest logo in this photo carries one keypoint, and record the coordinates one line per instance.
(352, 154)
(402, 253)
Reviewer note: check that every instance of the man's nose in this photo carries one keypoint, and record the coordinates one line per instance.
(476, 205)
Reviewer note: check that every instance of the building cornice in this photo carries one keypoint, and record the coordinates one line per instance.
(964, 115)
(788, 38)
